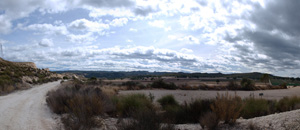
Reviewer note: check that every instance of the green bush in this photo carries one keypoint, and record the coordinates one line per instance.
(127, 105)
(255, 108)
(167, 100)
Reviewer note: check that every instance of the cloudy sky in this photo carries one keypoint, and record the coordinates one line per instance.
(154, 35)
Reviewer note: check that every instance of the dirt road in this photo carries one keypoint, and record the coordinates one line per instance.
(27, 110)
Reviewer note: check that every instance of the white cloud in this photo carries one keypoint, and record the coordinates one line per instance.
(172, 37)
(5, 25)
(157, 23)
(87, 38)
(48, 29)
(133, 30)
(119, 22)
(185, 50)
(116, 12)
(160, 24)
(46, 42)
(90, 26)
(108, 3)
(129, 41)
(190, 39)
(168, 29)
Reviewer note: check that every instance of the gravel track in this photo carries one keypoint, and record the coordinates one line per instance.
(27, 109)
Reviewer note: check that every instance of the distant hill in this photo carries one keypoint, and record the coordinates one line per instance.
(19, 75)
(113, 74)
(141, 74)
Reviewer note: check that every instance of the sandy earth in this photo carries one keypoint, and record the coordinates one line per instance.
(187, 95)
(27, 110)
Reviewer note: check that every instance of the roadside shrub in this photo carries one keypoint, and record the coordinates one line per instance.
(210, 121)
(191, 112)
(161, 84)
(143, 120)
(227, 108)
(167, 100)
(232, 85)
(255, 108)
(130, 85)
(247, 84)
(187, 112)
(127, 105)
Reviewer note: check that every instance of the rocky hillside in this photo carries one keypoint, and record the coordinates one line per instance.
(20, 75)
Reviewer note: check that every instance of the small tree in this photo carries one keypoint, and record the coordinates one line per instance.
(265, 78)
(218, 81)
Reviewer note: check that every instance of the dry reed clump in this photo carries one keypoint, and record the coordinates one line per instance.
(227, 108)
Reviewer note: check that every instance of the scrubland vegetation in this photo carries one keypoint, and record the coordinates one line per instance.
(83, 106)
(245, 85)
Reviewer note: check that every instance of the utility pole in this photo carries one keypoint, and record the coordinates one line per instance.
(1, 49)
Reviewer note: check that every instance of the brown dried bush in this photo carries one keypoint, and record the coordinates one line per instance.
(227, 107)
(82, 105)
